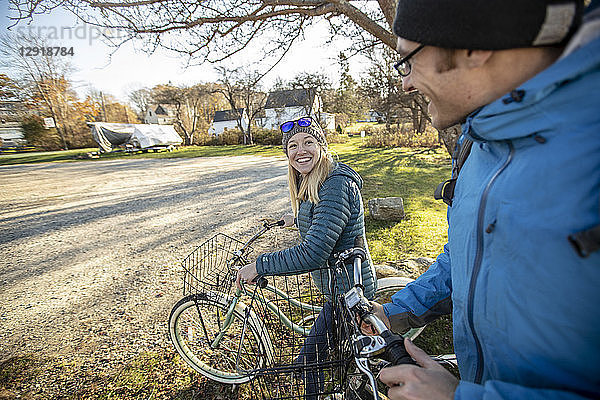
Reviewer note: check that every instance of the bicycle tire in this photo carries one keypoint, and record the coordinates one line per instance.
(386, 287)
(187, 332)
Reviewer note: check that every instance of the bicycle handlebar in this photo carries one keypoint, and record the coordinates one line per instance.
(266, 226)
(394, 350)
(261, 281)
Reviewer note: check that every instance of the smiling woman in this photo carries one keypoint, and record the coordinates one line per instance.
(328, 210)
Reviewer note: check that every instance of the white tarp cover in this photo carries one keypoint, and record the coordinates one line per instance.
(109, 135)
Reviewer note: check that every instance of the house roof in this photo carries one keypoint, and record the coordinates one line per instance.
(227, 115)
(291, 98)
(164, 109)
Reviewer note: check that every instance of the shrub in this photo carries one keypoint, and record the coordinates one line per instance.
(334, 137)
(227, 137)
(400, 136)
(267, 136)
(205, 139)
(230, 136)
(36, 135)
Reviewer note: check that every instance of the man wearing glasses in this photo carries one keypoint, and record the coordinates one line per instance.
(521, 270)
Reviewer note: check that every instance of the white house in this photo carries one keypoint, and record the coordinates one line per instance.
(286, 105)
(327, 121)
(13, 109)
(11, 134)
(372, 116)
(162, 114)
(228, 119)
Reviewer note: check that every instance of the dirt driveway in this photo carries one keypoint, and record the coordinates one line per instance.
(90, 251)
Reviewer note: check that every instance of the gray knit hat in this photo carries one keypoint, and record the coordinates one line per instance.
(314, 129)
(487, 24)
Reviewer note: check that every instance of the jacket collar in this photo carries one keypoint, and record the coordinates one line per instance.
(501, 119)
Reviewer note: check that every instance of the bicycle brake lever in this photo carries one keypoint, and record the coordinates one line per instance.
(363, 366)
(369, 346)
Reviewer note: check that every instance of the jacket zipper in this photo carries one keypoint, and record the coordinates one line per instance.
(477, 264)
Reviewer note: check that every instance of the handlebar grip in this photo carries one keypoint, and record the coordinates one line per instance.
(395, 351)
(359, 242)
(261, 282)
(269, 225)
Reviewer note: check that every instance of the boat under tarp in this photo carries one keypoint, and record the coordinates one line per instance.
(110, 135)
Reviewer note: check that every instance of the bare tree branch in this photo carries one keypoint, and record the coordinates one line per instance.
(388, 7)
(214, 30)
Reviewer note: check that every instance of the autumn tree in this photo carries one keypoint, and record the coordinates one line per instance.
(8, 88)
(11, 92)
(194, 106)
(104, 107)
(43, 78)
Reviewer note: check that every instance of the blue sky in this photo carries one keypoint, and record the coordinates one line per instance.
(128, 69)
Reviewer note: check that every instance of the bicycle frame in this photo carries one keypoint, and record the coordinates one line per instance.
(238, 260)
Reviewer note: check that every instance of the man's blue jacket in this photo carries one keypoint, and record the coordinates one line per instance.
(525, 305)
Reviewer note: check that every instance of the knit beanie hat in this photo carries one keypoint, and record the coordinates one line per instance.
(487, 24)
(313, 129)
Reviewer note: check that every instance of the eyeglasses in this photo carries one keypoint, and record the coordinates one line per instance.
(302, 122)
(403, 66)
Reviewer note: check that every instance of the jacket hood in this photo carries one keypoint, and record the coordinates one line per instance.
(531, 103)
(344, 170)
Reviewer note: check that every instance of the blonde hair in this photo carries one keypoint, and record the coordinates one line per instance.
(307, 188)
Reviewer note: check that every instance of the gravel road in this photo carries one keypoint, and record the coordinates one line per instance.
(90, 251)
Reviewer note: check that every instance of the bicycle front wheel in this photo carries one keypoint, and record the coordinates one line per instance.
(197, 320)
(386, 287)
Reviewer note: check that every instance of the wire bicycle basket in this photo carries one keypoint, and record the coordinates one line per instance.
(287, 309)
(211, 267)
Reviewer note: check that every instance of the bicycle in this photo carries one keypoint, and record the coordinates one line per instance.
(234, 336)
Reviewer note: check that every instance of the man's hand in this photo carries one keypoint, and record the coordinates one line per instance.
(430, 381)
(246, 274)
(377, 310)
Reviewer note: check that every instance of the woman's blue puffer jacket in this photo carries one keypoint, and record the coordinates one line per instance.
(326, 229)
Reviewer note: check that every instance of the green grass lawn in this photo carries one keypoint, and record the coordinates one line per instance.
(413, 175)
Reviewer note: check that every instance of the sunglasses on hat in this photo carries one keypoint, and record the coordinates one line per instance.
(302, 122)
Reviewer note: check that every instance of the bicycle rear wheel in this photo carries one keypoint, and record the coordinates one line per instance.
(197, 320)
